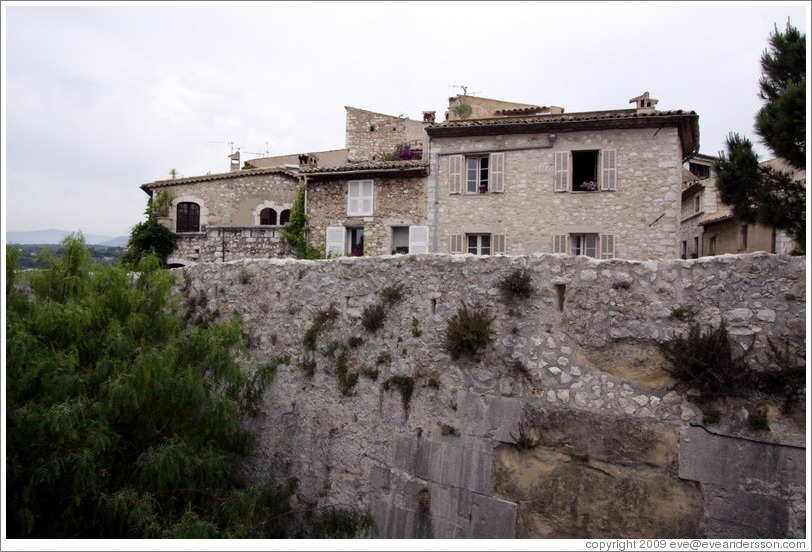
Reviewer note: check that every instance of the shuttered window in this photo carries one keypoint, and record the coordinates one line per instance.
(560, 243)
(359, 198)
(608, 170)
(455, 174)
(607, 246)
(456, 243)
(497, 172)
(562, 179)
(335, 241)
(418, 239)
(499, 244)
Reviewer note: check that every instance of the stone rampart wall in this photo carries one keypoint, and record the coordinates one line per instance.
(566, 425)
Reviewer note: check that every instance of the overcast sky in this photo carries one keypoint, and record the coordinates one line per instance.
(99, 99)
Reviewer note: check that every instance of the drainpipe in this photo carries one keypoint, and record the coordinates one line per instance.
(436, 201)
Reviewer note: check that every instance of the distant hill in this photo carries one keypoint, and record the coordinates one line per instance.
(53, 237)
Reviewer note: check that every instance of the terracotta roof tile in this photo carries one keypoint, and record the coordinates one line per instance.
(369, 166)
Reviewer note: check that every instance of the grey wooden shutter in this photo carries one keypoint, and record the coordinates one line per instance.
(560, 243)
(367, 193)
(455, 174)
(562, 173)
(608, 170)
(335, 241)
(497, 168)
(456, 243)
(418, 239)
(607, 246)
(498, 244)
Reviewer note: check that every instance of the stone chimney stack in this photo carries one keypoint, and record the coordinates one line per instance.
(645, 104)
(429, 116)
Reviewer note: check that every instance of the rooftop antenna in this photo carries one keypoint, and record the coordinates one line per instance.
(230, 145)
(462, 87)
(266, 153)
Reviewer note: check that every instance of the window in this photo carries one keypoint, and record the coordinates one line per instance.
(586, 170)
(696, 248)
(400, 239)
(712, 246)
(476, 175)
(744, 236)
(684, 254)
(359, 198)
(590, 245)
(267, 217)
(188, 217)
(699, 170)
(479, 244)
(355, 241)
(696, 203)
(481, 173)
(584, 244)
(284, 217)
(340, 239)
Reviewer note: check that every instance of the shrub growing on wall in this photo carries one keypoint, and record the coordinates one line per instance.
(468, 332)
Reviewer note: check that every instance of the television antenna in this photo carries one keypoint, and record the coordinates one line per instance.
(266, 153)
(462, 87)
(230, 145)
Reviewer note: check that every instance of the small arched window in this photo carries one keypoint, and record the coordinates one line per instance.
(188, 217)
(267, 217)
(284, 217)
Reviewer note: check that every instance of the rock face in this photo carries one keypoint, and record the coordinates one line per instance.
(386, 419)
(593, 476)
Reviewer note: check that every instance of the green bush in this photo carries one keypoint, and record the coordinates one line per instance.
(468, 332)
(706, 361)
(518, 284)
(392, 294)
(405, 385)
(372, 317)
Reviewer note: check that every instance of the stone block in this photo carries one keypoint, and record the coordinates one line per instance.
(492, 518)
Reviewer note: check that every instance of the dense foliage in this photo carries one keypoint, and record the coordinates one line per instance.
(149, 238)
(761, 194)
(295, 231)
(123, 424)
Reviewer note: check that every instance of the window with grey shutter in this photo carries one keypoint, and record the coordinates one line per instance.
(608, 170)
(359, 198)
(497, 165)
(456, 243)
(607, 246)
(562, 178)
(499, 244)
(455, 174)
(560, 243)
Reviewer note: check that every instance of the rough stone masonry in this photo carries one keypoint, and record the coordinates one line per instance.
(565, 426)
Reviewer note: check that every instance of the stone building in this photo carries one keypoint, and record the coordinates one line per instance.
(603, 184)
(708, 226)
(228, 216)
(493, 178)
(371, 208)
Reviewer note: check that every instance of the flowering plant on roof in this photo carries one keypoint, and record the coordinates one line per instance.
(589, 185)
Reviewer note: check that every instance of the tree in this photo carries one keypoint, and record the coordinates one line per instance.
(759, 193)
(295, 231)
(121, 423)
(151, 237)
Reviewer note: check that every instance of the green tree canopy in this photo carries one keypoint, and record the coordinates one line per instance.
(759, 193)
(121, 422)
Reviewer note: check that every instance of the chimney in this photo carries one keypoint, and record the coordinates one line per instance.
(429, 116)
(235, 160)
(645, 104)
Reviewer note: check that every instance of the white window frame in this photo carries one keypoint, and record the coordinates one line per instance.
(579, 244)
(477, 181)
(360, 198)
(479, 247)
(606, 244)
